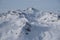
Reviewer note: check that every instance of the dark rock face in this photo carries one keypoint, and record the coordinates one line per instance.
(14, 11)
(27, 28)
(58, 17)
(50, 12)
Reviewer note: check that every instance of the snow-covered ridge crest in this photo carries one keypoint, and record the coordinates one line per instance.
(29, 24)
(49, 17)
(10, 23)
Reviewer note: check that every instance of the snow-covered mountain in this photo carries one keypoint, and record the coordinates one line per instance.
(29, 24)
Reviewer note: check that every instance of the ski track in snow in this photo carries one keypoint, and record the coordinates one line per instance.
(29, 24)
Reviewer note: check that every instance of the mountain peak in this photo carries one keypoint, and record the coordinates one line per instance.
(29, 24)
(33, 9)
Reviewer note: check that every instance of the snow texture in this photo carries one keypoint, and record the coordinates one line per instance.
(29, 24)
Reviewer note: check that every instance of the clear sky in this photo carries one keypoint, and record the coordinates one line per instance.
(22, 4)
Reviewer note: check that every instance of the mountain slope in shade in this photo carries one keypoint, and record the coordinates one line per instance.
(29, 24)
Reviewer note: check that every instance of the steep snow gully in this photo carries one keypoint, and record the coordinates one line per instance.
(29, 24)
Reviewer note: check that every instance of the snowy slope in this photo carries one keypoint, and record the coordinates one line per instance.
(29, 24)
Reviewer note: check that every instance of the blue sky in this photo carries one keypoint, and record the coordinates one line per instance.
(22, 4)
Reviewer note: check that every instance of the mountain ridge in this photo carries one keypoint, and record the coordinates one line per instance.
(29, 24)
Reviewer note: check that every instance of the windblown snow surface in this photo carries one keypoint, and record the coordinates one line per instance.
(29, 24)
